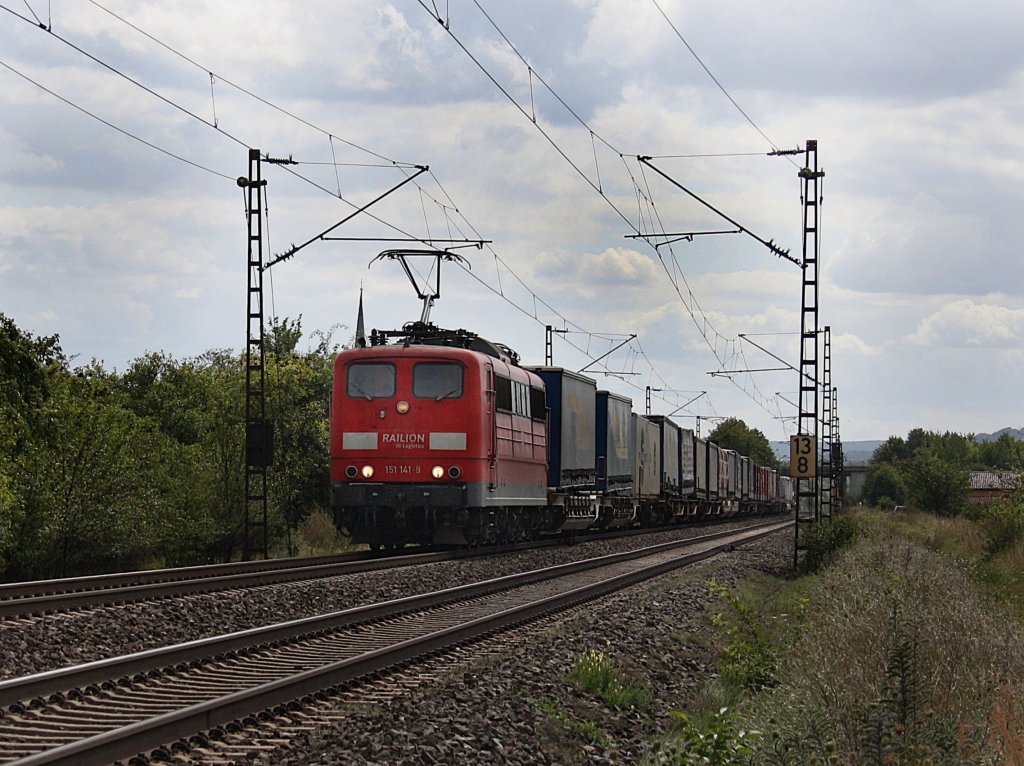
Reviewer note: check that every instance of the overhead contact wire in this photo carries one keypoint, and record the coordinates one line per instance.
(122, 131)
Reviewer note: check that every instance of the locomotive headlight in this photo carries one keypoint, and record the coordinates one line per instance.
(367, 471)
(437, 472)
(402, 407)
(351, 472)
(455, 472)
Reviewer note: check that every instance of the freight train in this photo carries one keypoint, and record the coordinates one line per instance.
(441, 437)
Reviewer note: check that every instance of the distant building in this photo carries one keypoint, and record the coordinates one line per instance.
(993, 486)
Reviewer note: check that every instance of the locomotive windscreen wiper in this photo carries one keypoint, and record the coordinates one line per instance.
(355, 387)
(456, 390)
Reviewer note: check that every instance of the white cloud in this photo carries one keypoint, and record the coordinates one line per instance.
(966, 323)
(917, 110)
(848, 343)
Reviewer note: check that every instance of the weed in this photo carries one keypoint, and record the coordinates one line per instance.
(587, 729)
(897, 727)
(318, 532)
(1005, 737)
(899, 661)
(717, 740)
(596, 674)
(748, 659)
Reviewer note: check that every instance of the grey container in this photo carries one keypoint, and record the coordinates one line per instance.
(714, 470)
(669, 478)
(647, 466)
(687, 466)
(700, 467)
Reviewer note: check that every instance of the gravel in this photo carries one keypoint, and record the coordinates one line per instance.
(38, 644)
(522, 709)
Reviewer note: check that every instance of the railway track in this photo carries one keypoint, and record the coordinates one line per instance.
(47, 596)
(40, 597)
(112, 709)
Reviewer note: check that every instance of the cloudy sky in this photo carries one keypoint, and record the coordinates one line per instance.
(126, 125)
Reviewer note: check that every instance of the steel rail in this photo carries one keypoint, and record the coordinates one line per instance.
(136, 586)
(48, 596)
(51, 682)
(144, 735)
(33, 588)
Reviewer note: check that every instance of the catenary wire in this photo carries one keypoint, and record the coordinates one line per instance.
(714, 79)
(214, 125)
(704, 324)
(120, 130)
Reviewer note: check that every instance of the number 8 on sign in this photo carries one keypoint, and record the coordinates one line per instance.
(803, 454)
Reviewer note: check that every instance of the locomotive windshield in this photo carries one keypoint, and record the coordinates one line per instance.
(371, 380)
(437, 380)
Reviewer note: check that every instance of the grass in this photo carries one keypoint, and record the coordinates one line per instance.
(596, 674)
(589, 730)
(989, 547)
(894, 652)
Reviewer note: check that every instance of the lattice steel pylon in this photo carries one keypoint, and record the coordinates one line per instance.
(807, 497)
(838, 475)
(825, 464)
(258, 431)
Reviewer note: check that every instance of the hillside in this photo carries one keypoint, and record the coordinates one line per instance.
(861, 451)
(855, 451)
(1013, 433)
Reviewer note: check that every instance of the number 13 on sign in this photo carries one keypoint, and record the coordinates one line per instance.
(803, 454)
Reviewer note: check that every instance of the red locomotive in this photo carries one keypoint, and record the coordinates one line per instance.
(439, 438)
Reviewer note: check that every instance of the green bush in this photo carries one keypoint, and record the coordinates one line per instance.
(1003, 527)
(718, 740)
(823, 539)
(883, 486)
(936, 485)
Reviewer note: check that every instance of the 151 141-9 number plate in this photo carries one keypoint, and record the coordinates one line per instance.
(402, 470)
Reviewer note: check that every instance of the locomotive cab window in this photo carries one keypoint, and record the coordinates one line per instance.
(538, 405)
(503, 393)
(437, 380)
(371, 380)
(513, 396)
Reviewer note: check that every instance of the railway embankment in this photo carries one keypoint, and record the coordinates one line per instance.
(905, 646)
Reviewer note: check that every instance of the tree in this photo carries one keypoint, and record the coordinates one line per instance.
(884, 481)
(1005, 453)
(100, 471)
(198, 404)
(733, 433)
(299, 384)
(936, 485)
(26, 366)
(91, 490)
(891, 452)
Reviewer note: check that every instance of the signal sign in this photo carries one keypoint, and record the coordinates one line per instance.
(803, 456)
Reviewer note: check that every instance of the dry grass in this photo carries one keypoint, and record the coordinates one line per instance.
(955, 536)
(902, 657)
(1004, 724)
(1013, 559)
